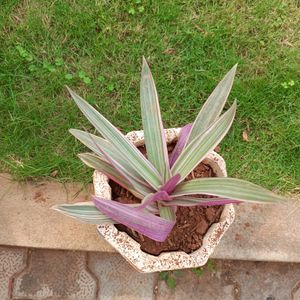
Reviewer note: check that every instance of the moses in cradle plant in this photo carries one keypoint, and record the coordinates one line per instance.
(158, 181)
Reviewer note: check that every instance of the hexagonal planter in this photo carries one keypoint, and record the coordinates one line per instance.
(130, 249)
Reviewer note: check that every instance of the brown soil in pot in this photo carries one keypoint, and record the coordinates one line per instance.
(191, 222)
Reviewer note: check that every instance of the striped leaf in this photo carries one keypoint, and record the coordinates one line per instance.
(85, 212)
(180, 145)
(201, 145)
(170, 185)
(213, 106)
(229, 188)
(151, 198)
(94, 143)
(166, 212)
(137, 183)
(193, 201)
(141, 165)
(105, 167)
(152, 226)
(155, 141)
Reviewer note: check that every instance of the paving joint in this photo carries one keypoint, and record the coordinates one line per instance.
(12, 278)
(294, 291)
(87, 261)
(15, 275)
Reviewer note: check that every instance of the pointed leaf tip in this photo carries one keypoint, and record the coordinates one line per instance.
(155, 141)
(213, 106)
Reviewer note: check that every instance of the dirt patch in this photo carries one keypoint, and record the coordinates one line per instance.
(191, 225)
(39, 197)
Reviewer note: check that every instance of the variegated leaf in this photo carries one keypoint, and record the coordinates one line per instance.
(180, 145)
(94, 143)
(193, 201)
(123, 146)
(84, 211)
(155, 141)
(150, 225)
(197, 150)
(229, 188)
(98, 163)
(213, 106)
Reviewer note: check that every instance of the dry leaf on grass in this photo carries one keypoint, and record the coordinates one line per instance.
(245, 136)
(170, 51)
(54, 173)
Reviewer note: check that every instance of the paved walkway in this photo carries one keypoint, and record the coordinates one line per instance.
(64, 275)
(259, 232)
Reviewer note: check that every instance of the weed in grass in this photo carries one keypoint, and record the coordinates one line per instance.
(101, 78)
(68, 76)
(59, 62)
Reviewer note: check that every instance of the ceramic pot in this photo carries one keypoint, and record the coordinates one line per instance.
(130, 249)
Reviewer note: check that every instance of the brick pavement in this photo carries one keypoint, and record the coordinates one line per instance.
(36, 274)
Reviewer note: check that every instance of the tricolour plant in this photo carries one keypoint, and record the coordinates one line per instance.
(159, 180)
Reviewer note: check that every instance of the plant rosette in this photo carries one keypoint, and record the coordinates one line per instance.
(166, 261)
(160, 182)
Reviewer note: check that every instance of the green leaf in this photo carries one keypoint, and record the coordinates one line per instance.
(155, 141)
(198, 271)
(85, 212)
(171, 282)
(24, 53)
(59, 62)
(87, 80)
(213, 106)
(48, 67)
(131, 11)
(210, 265)
(229, 188)
(32, 68)
(69, 76)
(163, 275)
(110, 87)
(166, 212)
(81, 74)
(201, 145)
(101, 78)
(29, 57)
(134, 157)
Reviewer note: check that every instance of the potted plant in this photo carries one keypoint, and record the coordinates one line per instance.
(172, 201)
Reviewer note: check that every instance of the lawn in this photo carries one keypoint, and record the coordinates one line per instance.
(95, 47)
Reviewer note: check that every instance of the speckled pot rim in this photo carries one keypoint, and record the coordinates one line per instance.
(130, 249)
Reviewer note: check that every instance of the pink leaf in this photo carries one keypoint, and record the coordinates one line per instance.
(150, 198)
(184, 134)
(149, 225)
(170, 185)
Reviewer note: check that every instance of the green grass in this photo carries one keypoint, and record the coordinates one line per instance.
(190, 46)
